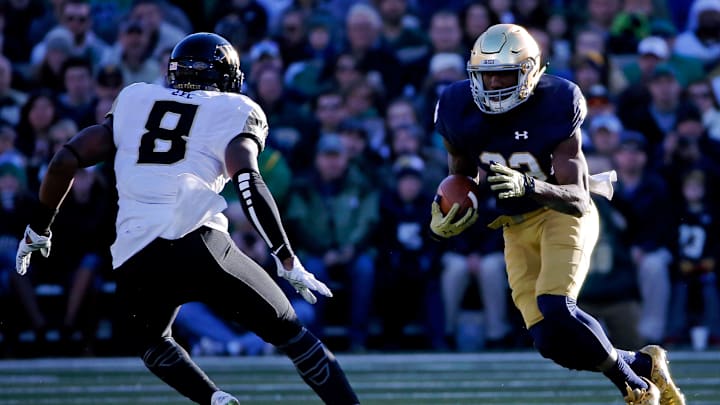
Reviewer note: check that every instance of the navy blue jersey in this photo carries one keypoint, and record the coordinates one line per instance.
(523, 138)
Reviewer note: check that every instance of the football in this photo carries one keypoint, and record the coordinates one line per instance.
(457, 188)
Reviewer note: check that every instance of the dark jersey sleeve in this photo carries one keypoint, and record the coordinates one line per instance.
(451, 120)
(579, 109)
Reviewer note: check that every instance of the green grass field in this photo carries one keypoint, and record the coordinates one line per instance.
(379, 379)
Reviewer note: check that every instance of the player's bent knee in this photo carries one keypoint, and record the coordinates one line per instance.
(555, 308)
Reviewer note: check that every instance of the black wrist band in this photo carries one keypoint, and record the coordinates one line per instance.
(529, 185)
(42, 218)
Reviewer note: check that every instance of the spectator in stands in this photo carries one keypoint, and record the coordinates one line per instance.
(291, 127)
(161, 33)
(408, 42)
(656, 117)
(291, 36)
(342, 72)
(605, 132)
(363, 102)
(599, 15)
(329, 110)
(253, 15)
(400, 111)
(610, 292)
(108, 82)
(588, 40)
(36, 117)
(588, 70)
(231, 28)
(332, 214)
(408, 276)
(18, 17)
(131, 53)
(504, 10)
(701, 39)
(77, 102)
(599, 102)
(701, 95)
(475, 17)
(688, 147)
(362, 156)
(306, 77)
(630, 25)
(47, 73)
(696, 246)
(8, 152)
(76, 18)
(363, 27)
(641, 197)
(446, 34)
(262, 55)
(531, 13)
(411, 139)
(651, 52)
(11, 100)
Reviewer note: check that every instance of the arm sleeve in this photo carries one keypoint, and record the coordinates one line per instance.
(260, 208)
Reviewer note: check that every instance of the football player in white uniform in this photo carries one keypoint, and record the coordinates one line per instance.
(174, 149)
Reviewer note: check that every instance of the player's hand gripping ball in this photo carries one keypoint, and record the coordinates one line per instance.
(455, 206)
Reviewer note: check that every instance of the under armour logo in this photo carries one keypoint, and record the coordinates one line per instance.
(521, 135)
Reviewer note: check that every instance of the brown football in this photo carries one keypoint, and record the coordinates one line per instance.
(457, 188)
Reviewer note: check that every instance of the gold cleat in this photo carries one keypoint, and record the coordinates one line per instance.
(660, 375)
(637, 396)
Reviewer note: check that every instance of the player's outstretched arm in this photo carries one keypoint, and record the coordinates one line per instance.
(90, 146)
(260, 208)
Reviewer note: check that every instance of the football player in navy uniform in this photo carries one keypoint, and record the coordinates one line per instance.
(519, 129)
(174, 149)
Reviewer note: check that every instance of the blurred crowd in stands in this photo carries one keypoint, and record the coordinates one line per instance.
(349, 89)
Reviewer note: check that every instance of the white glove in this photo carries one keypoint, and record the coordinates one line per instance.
(25, 249)
(515, 183)
(444, 226)
(302, 280)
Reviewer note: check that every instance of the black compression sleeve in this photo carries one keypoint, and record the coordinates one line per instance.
(261, 209)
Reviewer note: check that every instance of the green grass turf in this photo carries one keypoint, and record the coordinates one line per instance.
(379, 379)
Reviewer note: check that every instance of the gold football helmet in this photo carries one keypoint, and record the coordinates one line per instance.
(504, 47)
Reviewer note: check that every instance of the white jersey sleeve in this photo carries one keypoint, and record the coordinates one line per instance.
(170, 161)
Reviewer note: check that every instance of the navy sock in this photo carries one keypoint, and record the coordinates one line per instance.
(620, 374)
(641, 363)
(319, 369)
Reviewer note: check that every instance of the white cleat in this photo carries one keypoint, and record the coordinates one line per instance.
(223, 398)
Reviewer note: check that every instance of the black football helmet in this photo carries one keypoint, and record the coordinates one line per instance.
(205, 61)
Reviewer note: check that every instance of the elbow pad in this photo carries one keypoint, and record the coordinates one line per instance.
(260, 208)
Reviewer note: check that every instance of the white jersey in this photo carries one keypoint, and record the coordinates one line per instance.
(170, 161)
